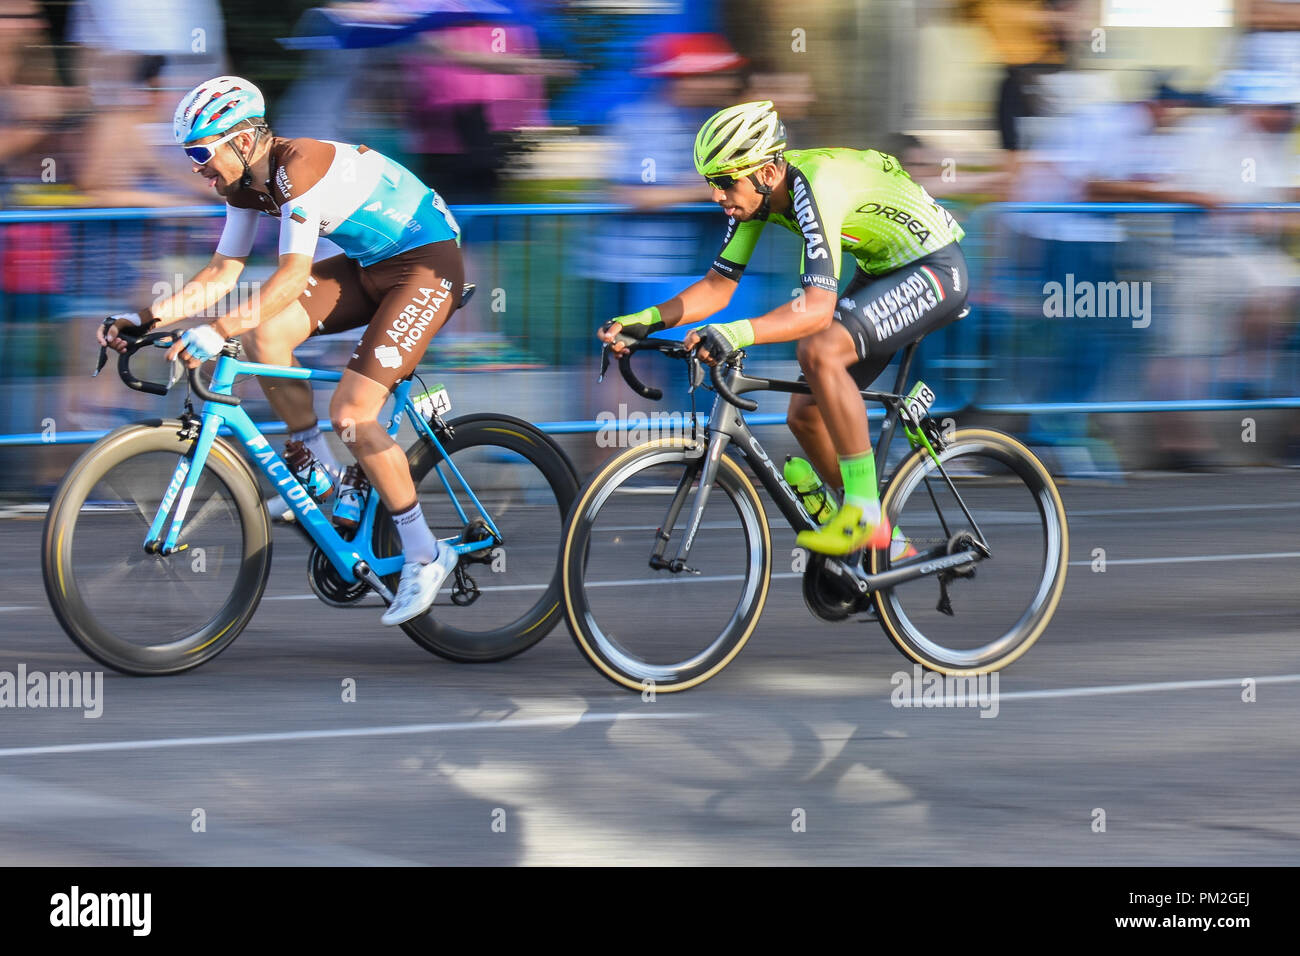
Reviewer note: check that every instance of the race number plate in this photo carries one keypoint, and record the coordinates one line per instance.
(435, 400)
(919, 400)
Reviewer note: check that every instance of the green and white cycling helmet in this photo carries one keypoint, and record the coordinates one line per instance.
(215, 107)
(739, 140)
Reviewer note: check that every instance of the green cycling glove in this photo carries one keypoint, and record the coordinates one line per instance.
(723, 339)
(639, 324)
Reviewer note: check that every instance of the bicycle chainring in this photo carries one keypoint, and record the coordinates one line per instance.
(477, 530)
(828, 596)
(327, 585)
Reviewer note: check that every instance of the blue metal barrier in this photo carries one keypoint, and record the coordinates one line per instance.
(539, 299)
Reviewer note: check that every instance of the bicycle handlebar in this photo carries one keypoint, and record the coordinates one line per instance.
(667, 348)
(720, 386)
(634, 383)
(157, 388)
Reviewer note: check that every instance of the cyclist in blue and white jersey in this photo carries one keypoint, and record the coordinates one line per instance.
(400, 277)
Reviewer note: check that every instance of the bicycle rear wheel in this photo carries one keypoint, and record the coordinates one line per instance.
(512, 590)
(141, 613)
(645, 628)
(1000, 604)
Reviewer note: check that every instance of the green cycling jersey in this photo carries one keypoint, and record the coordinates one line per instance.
(859, 201)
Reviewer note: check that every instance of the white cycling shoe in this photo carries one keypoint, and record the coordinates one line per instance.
(419, 586)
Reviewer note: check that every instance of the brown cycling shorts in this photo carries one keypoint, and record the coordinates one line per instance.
(402, 301)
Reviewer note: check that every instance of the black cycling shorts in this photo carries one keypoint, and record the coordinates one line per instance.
(886, 312)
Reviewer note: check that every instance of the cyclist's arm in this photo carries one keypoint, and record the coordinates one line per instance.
(813, 310)
(219, 276)
(208, 286)
(280, 291)
(299, 233)
(712, 293)
(698, 301)
(805, 315)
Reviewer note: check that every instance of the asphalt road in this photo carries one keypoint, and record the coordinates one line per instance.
(1129, 711)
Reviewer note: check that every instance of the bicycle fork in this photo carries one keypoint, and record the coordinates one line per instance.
(189, 467)
(707, 469)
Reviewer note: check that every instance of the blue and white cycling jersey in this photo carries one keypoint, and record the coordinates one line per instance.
(367, 204)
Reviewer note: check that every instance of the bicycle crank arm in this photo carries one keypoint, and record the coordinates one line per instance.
(857, 577)
(362, 571)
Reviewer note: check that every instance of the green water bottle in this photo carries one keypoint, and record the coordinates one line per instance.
(800, 476)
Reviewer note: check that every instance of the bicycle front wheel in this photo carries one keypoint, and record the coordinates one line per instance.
(501, 600)
(142, 613)
(983, 615)
(647, 628)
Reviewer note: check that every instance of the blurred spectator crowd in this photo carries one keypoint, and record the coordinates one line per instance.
(599, 101)
(565, 94)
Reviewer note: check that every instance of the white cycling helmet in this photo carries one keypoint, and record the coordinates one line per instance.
(215, 107)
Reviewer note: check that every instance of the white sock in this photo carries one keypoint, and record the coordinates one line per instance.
(418, 543)
(315, 441)
(870, 508)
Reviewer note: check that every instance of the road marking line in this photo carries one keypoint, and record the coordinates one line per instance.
(1139, 688)
(1191, 559)
(394, 730)
(1181, 509)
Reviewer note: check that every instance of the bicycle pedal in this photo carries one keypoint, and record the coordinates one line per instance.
(465, 591)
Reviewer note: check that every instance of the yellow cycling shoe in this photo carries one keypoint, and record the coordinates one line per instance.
(846, 533)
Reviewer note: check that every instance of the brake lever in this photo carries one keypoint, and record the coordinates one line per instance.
(604, 362)
(103, 359)
(694, 371)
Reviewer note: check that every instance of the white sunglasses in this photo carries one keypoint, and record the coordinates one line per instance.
(202, 155)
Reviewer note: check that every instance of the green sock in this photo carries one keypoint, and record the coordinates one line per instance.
(859, 474)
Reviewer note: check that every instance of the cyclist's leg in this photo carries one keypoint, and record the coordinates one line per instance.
(333, 302)
(272, 343)
(420, 290)
(803, 417)
(825, 359)
(423, 288)
(879, 317)
(805, 421)
(872, 323)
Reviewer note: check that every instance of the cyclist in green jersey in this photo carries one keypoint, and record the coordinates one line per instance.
(910, 278)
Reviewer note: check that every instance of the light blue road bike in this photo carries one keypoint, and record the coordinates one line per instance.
(157, 545)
